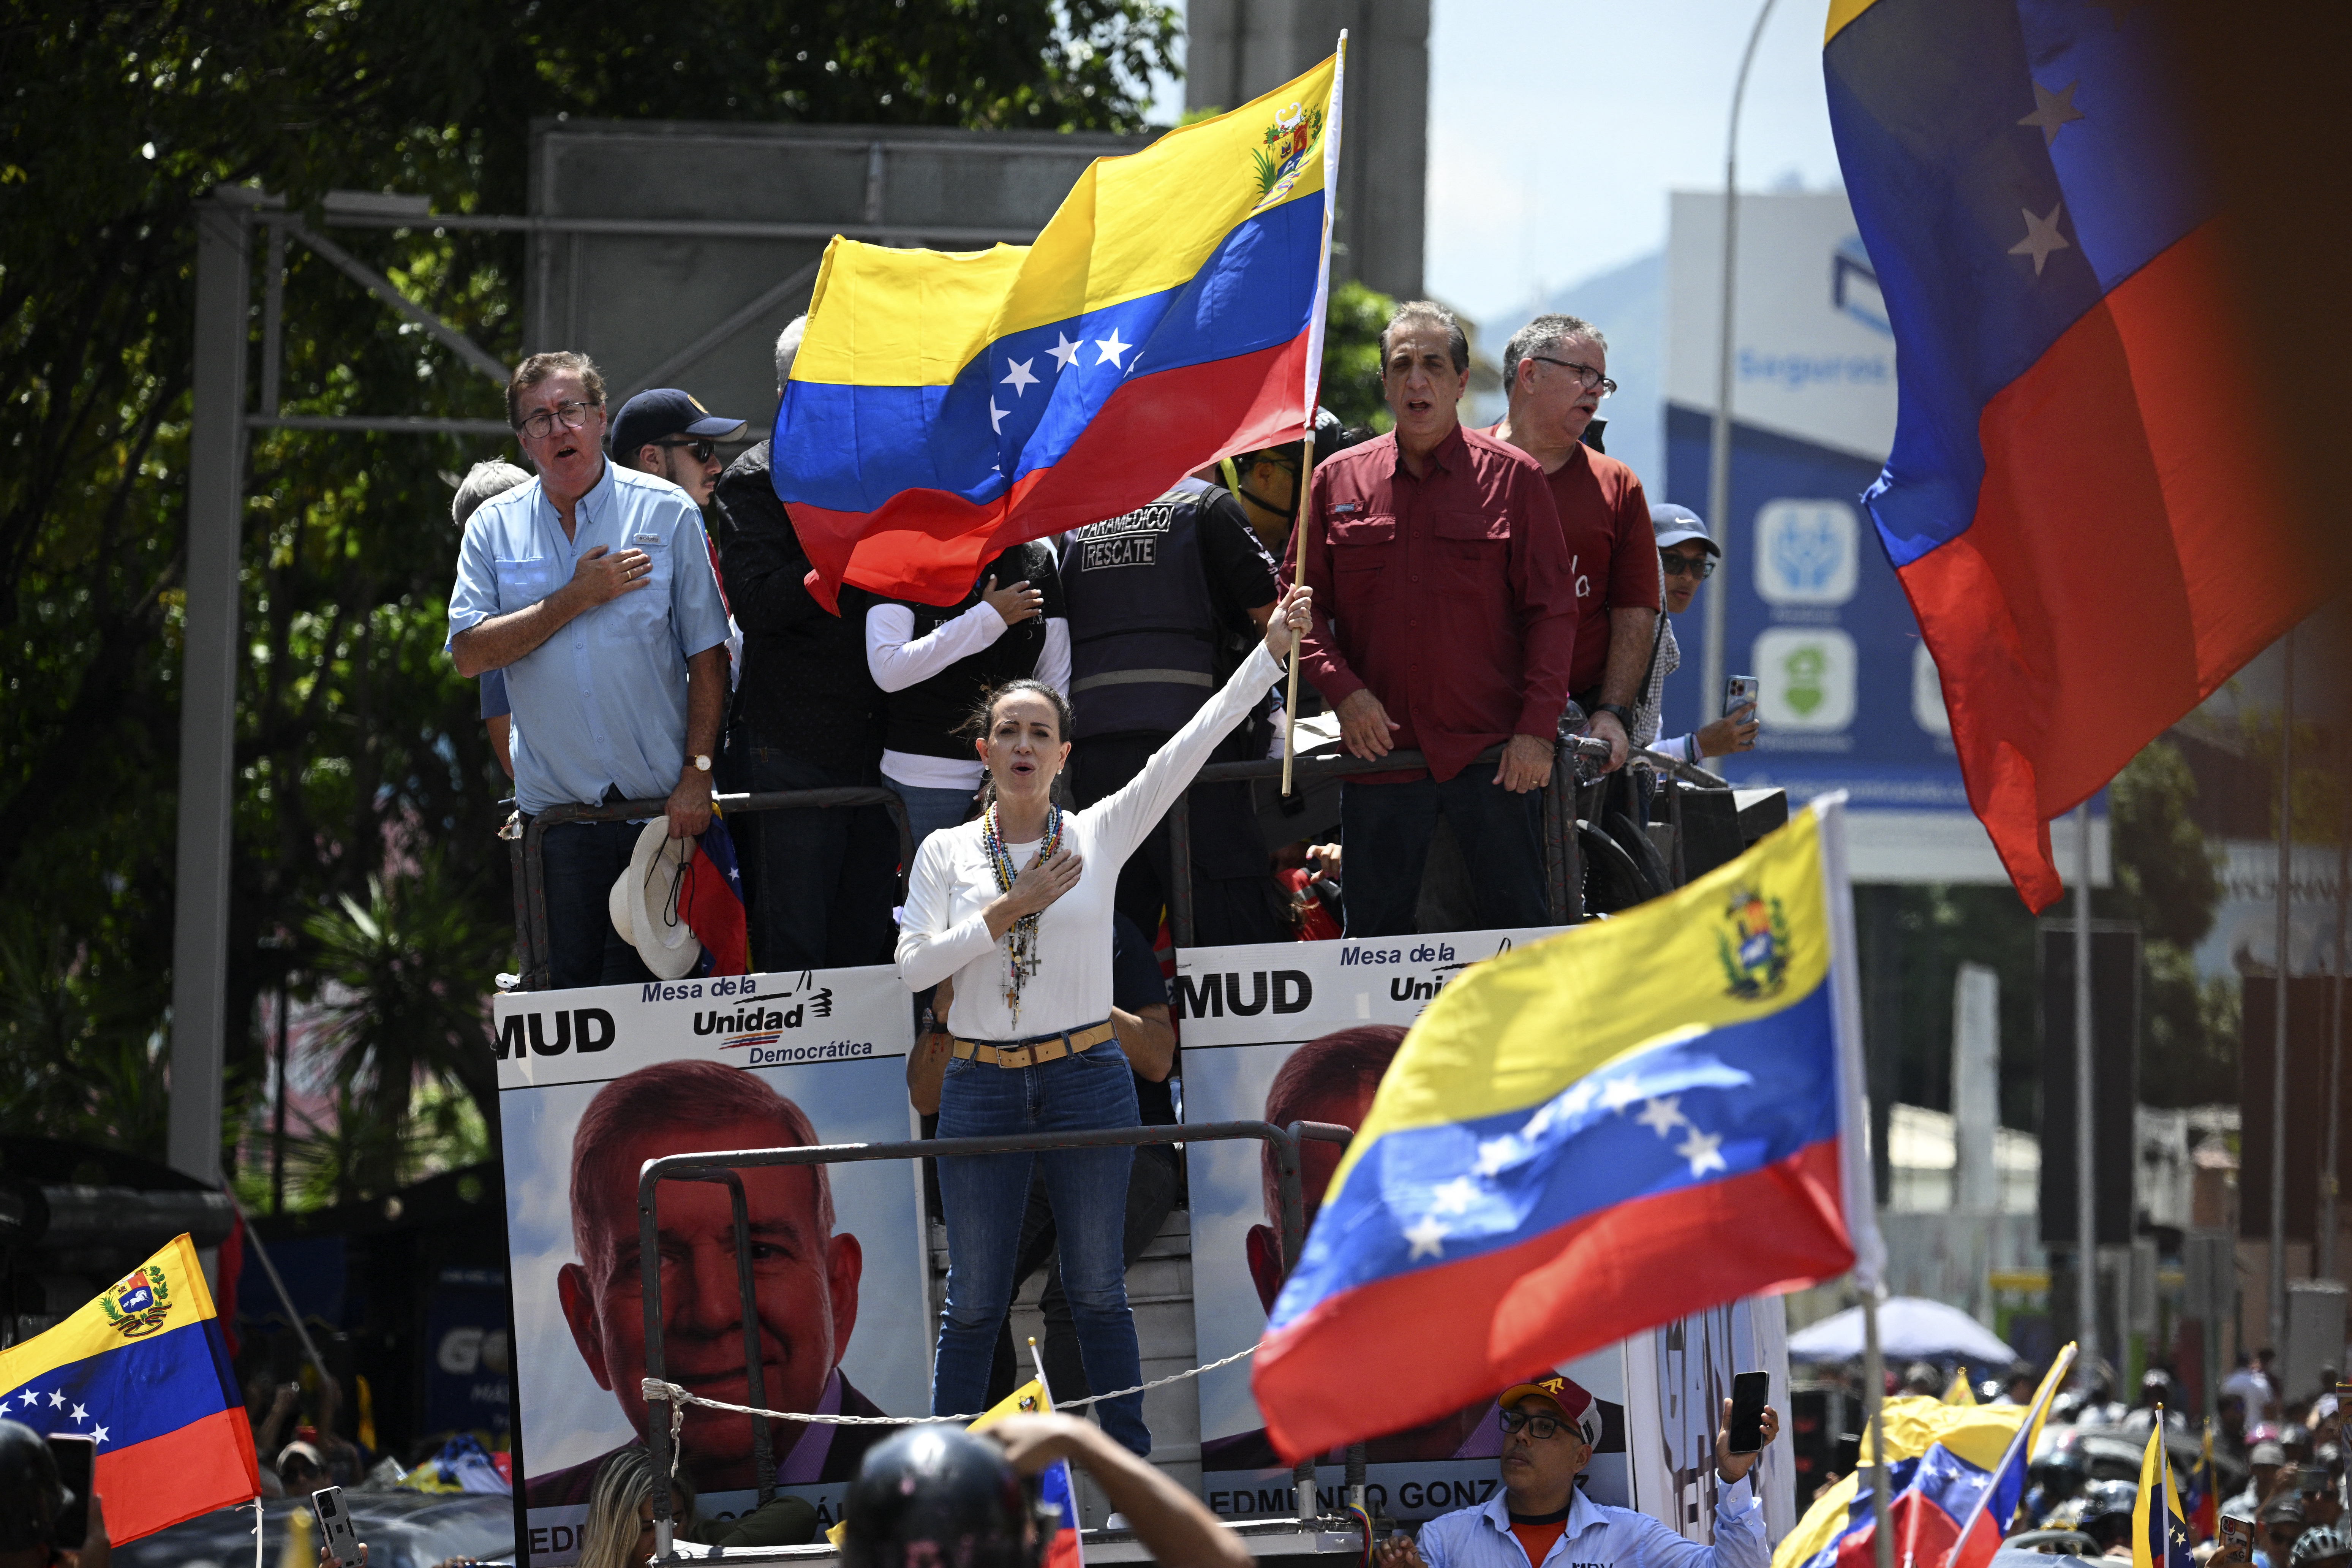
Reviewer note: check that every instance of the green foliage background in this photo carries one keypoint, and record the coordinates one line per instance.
(367, 877)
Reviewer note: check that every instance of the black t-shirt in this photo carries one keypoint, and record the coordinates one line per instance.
(1136, 983)
(1241, 575)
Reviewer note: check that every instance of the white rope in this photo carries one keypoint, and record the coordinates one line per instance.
(678, 1399)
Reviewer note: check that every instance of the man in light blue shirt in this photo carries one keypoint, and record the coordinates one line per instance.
(591, 589)
(1540, 1520)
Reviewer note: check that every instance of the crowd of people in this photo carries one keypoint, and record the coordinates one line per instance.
(642, 621)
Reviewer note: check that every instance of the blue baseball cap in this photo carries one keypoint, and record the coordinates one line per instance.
(1673, 525)
(661, 412)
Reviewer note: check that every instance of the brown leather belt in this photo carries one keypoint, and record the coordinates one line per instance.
(1037, 1050)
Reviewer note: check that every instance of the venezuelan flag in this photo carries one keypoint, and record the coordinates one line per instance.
(2083, 501)
(144, 1372)
(1054, 1487)
(1956, 1474)
(946, 406)
(2159, 1529)
(1638, 1119)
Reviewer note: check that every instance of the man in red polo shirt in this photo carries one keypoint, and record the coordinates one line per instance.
(1557, 368)
(1445, 621)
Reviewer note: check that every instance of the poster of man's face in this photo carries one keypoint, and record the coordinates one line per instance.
(1322, 1060)
(837, 1266)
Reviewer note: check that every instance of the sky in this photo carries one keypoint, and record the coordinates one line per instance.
(1634, 95)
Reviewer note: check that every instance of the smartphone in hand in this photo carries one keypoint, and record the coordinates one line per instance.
(336, 1532)
(1740, 690)
(77, 1459)
(1750, 1393)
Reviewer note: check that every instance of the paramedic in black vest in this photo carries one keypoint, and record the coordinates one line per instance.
(1164, 604)
(934, 665)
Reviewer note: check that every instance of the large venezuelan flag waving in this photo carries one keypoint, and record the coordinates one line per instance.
(144, 1372)
(1632, 1120)
(944, 407)
(2082, 501)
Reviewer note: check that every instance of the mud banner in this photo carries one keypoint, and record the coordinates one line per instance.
(594, 1082)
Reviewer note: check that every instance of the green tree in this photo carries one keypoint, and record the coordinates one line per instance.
(358, 754)
(1352, 322)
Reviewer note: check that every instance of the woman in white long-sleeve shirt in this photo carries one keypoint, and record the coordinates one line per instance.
(934, 664)
(1017, 908)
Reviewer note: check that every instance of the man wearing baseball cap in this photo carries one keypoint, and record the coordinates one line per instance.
(1687, 554)
(1540, 1520)
(665, 433)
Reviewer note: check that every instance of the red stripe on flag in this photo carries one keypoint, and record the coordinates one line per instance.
(2127, 553)
(205, 1465)
(1568, 1290)
(928, 545)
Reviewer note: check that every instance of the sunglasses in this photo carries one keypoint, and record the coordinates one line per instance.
(1681, 566)
(701, 451)
(1541, 1427)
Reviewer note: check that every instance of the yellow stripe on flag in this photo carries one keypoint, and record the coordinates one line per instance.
(163, 1293)
(1029, 1399)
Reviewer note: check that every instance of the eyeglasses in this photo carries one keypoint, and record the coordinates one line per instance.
(539, 427)
(700, 450)
(1701, 566)
(1585, 373)
(1542, 1429)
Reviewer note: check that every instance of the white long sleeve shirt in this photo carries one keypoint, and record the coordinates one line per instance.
(945, 930)
(1598, 1536)
(897, 658)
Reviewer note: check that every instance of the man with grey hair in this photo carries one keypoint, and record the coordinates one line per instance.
(487, 479)
(1556, 369)
(1445, 620)
(807, 715)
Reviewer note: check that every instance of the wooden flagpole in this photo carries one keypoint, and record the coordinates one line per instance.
(1298, 561)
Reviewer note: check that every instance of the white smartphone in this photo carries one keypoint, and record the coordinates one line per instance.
(336, 1532)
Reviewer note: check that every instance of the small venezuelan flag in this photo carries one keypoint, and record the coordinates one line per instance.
(1054, 1484)
(1638, 1118)
(143, 1371)
(2159, 1529)
(944, 407)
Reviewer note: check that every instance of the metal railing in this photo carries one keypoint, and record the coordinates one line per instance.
(529, 853)
(721, 1166)
(1563, 857)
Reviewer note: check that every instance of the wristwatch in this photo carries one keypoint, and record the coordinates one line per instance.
(701, 764)
(1623, 714)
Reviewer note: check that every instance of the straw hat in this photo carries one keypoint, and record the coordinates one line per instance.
(644, 902)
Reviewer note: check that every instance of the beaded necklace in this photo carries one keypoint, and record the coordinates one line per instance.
(1022, 939)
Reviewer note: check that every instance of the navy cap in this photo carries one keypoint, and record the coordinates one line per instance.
(1673, 525)
(661, 412)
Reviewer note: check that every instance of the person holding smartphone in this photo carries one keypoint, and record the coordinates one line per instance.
(1550, 1426)
(35, 1502)
(1687, 556)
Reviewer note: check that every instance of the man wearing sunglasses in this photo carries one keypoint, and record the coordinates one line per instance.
(1539, 1519)
(1687, 556)
(665, 433)
(1556, 370)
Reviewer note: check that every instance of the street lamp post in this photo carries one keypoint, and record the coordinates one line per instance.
(1718, 455)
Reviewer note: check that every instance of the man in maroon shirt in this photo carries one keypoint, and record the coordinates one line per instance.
(1438, 553)
(1557, 368)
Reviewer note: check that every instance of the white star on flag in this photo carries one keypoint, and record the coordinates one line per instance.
(1066, 352)
(1618, 1093)
(1700, 1150)
(1427, 1237)
(80, 1413)
(2041, 237)
(1663, 1115)
(1495, 1153)
(57, 1400)
(1020, 380)
(1580, 1099)
(1111, 349)
(99, 1433)
(995, 418)
(1456, 1196)
(4, 1406)
(2053, 111)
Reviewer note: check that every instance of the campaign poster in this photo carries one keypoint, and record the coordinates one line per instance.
(593, 1083)
(1302, 1031)
(1681, 1373)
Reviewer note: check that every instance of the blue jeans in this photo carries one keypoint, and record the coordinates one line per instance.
(819, 883)
(986, 1197)
(1386, 830)
(929, 810)
(579, 863)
